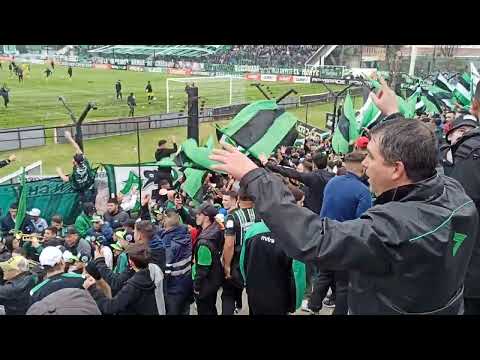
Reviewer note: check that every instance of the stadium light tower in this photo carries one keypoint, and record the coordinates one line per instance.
(78, 122)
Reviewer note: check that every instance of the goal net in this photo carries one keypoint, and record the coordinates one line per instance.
(212, 92)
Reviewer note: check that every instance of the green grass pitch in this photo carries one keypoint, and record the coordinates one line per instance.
(35, 102)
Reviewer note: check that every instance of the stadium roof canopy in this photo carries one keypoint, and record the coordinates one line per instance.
(170, 50)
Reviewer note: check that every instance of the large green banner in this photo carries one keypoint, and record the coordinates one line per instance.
(52, 196)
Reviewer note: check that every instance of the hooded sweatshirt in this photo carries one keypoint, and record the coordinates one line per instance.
(136, 297)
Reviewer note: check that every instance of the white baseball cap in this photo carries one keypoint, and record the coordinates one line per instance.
(34, 212)
(50, 256)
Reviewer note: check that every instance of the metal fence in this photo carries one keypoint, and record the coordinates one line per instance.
(19, 138)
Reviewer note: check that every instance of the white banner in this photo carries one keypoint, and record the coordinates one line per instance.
(268, 77)
(301, 79)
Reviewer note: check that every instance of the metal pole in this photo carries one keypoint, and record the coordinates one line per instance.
(230, 90)
(138, 164)
(168, 99)
(413, 57)
(306, 114)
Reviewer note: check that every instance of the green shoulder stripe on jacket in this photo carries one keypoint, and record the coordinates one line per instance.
(254, 230)
(36, 288)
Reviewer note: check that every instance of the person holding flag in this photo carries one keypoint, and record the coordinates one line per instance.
(412, 200)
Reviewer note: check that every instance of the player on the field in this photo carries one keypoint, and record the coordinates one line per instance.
(131, 104)
(118, 89)
(52, 64)
(20, 74)
(70, 71)
(149, 91)
(47, 72)
(4, 93)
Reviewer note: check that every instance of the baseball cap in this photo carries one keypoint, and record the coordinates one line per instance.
(97, 218)
(50, 256)
(462, 120)
(71, 230)
(69, 257)
(117, 246)
(362, 142)
(207, 210)
(15, 263)
(34, 212)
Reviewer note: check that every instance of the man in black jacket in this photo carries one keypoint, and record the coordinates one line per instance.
(138, 296)
(315, 181)
(15, 292)
(461, 161)
(115, 215)
(207, 271)
(8, 221)
(162, 150)
(409, 253)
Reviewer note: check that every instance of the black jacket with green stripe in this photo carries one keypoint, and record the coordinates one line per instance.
(275, 283)
(407, 254)
(54, 283)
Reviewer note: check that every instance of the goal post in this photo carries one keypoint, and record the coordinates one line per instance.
(213, 91)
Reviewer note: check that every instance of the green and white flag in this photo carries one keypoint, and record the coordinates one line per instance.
(124, 177)
(474, 78)
(346, 131)
(462, 89)
(22, 203)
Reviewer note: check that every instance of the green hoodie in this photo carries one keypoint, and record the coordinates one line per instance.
(83, 224)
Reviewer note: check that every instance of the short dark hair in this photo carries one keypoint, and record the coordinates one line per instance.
(320, 160)
(14, 206)
(243, 196)
(89, 208)
(112, 201)
(139, 254)
(53, 229)
(410, 141)
(145, 227)
(57, 219)
(308, 165)
(231, 193)
(355, 156)
(162, 142)
(163, 182)
(297, 193)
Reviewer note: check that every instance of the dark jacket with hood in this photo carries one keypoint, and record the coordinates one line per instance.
(136, 297)
(178, 251)
(15, 293)
(407, 254)
(115, 281)
(466, 170)
(207, 278)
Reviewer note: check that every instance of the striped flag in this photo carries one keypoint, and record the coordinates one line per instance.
(346, 131)
(443, 83)
(462, 89)
(22, 204)
(474, 78)
(261, 127)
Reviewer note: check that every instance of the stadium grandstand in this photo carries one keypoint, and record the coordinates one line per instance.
(262, 55)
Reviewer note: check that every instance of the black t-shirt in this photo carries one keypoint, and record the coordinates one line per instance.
(55, 283)
(149, 88)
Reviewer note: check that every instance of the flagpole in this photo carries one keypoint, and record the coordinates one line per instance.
(138, 165)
